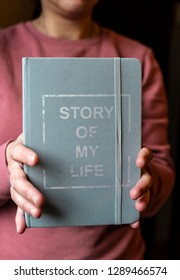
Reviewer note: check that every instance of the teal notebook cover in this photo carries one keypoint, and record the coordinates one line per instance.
(83, 118)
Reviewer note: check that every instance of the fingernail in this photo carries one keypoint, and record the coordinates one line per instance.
(33, 212)
(31, 157)
(17, 229)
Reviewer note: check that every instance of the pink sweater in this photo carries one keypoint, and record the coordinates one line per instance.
(100, 242)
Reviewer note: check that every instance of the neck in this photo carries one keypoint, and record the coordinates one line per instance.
(63, 28)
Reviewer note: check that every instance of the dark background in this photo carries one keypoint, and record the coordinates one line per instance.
(155, 23)
(149, 21)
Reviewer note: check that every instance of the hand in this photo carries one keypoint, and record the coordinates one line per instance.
(23, 193)
(141, 191)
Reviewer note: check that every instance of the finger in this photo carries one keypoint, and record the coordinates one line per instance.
(25, 205)
(142, 186)
(135, 225)
(142, 202)
(20, 138)
(22, 186)
(144, 158)
(20, 221)
(23, 154)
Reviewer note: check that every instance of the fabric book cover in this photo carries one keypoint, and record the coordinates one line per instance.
(83, 118)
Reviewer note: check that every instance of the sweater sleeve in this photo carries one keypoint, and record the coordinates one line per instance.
(4, 177)
(154, 135)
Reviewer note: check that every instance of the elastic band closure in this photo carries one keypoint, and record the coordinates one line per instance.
(117, 92)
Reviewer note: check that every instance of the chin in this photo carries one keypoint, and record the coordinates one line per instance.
(74, 8)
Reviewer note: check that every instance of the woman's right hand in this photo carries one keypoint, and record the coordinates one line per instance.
(28, 198)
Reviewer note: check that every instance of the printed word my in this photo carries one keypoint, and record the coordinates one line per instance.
(86, 151)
